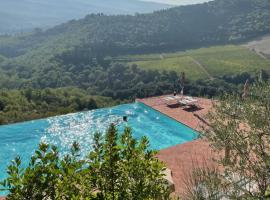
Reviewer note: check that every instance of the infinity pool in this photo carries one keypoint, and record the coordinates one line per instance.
(23, 138)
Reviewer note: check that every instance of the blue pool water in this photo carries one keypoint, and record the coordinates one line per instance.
(23, 138)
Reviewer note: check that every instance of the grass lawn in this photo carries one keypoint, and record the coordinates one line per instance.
(217, 61)
(178, 64)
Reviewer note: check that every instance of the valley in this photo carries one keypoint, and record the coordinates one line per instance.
(124, 57)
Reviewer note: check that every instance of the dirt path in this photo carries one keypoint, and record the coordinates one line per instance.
(261, 55)
(203, 68)
(260, 46)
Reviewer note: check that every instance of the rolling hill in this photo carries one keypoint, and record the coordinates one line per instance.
(24, 15)
(79, 52)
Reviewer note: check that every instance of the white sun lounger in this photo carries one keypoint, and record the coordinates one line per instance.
(170, 98)
(184, 102)
(180, 100)
(191, 98)
(187, 101)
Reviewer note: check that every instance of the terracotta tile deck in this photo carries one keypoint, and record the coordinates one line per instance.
(178, 113)
(182, 159)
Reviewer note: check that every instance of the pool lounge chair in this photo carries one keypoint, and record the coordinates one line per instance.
(188, 101)
(170, 98)
(172, 101)
(190, 104)
(175, 101)
(173, 104)
(183, 102)
(191, 99)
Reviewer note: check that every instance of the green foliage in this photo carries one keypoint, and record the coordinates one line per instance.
(118, 167)
(68, 55)
(126, 169)
(216, 22)
(2, 58)
(84, 54)
(216, 61)
(178, 64)
(114, 80)
(48, 176)
(204, 183)
(240, 133)
(28, 104)
(118, 81)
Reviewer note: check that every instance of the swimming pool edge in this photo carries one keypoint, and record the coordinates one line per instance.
(198, 131)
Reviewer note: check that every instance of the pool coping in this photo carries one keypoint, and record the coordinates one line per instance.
(179, 115)
(169, 117)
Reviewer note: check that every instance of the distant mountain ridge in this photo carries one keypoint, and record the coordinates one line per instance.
(179, 2)
(23, 15)
(182, 27)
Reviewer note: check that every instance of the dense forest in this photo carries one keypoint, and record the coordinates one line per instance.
(28, 104)
(81, 53)
(103, 87)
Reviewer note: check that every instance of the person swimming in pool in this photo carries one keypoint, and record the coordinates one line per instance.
(119, 120)
(125, 118)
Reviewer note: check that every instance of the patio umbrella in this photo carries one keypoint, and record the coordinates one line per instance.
(182, 91)
(245, 90)
(182, 82)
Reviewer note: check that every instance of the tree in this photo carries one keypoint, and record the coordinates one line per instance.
(31, 104)
(124, 168)
(2, 105)
(47, 176)
(203, 183)
(263, 76)
(240, 128)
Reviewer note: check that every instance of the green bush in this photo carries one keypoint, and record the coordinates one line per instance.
(118, 167)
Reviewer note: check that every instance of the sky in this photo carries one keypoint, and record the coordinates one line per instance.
(178, 2)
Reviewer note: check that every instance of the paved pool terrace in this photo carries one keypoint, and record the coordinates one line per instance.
(178, 113)
(182, 159)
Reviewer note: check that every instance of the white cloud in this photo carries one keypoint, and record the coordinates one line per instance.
(178, 2)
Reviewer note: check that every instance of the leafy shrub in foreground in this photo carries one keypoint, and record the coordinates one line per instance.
(118, 167)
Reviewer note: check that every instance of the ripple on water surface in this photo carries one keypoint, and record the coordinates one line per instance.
(23, 138)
